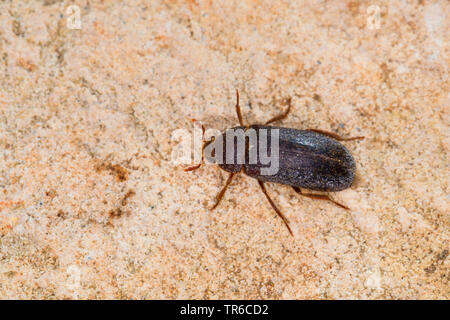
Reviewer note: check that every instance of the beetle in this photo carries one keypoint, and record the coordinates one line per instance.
(311, 159)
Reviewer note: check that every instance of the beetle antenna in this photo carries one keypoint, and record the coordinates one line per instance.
(195, 167)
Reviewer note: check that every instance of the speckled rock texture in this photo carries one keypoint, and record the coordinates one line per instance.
(92, 205)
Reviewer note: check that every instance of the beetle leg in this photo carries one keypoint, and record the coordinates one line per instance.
(193, 167)
(319, 197)
(238, 109)
(281, 215)
(282, 115)
(222, 192)
(335, 136)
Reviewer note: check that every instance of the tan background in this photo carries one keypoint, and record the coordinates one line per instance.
(92, 206)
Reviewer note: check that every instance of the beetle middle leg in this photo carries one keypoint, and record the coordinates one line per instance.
(319, 197)
(224, 189)
(335, 136)
(280, 214)
(282, 115)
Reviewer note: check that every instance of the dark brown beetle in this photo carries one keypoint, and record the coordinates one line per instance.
(311, 159)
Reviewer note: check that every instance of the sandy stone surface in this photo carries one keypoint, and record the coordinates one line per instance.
(92, 205)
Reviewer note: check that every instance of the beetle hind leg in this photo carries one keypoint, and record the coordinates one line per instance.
(319, 197)
(335, 135)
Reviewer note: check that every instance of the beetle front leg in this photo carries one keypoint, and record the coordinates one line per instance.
(319, 197)
(335, 136)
